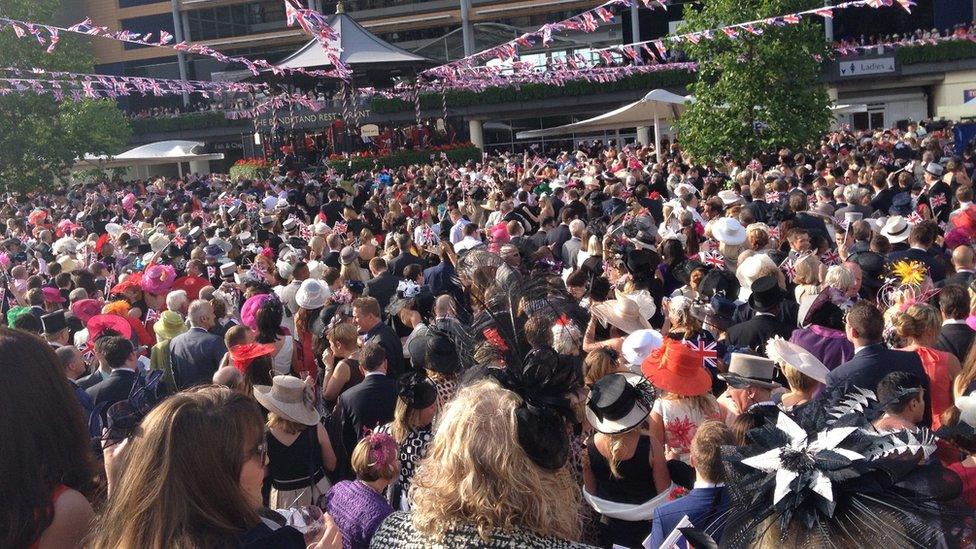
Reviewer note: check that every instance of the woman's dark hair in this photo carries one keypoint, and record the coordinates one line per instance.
(268, 320)
(45, 441)
(672, 252)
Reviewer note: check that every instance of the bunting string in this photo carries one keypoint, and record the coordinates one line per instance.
(49, 35)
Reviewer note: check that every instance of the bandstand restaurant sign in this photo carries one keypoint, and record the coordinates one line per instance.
(301, 119)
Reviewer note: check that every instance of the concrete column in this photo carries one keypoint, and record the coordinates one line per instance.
(201, 167)
(828, 25)
(644, 135)
(467, 29)
(477, 133)
(634, 23)
(178, 32)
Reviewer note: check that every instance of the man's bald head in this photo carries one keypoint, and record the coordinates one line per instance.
(963, 258)
(230, 377)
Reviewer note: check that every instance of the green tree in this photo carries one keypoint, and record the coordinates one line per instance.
(755, 93)
(40, 138)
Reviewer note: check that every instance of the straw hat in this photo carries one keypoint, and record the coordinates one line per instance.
(622, 313)
(644, 300)
(169, 325)
(676, 368)
(616, 404)
(790, 354)
(289, 398)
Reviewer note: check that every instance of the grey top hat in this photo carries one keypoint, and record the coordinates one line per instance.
(747, 370)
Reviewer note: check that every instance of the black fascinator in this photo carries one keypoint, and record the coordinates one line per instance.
(416, 390)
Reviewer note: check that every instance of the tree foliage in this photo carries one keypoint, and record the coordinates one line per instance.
(755, 93)
(39, 137)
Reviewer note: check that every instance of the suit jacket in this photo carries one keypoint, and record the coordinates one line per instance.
(395, 363)
(332, 259)
(963, 279)
(755, 332)
(935, 264)
(440, 279)
(400, 262)
(556, 238)
(91, 379)
(942, 211)
(367, 405)
(872, 363)
(112, 389)
(956, 339)
(87, 407)
(705, 508)
(813, 224)
(864, 210)
(881, 202)
(788, 313)
(195, 355)
(571, 249)
(382, 288)
(760, 210)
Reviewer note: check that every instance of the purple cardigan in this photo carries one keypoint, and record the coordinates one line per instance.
(357, 510)
(829, 345)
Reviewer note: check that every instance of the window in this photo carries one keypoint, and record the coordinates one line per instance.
(133, 3)
(236, 20)
(145, 25)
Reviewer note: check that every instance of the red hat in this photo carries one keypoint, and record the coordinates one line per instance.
(84, 309)
(132, 280)
(191, 285)
(676, 368)
(243, 355)
(99, 323)
(52, 295)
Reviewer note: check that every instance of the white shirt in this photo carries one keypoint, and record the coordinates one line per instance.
(466, 243)
(949, 321)
(457, 230)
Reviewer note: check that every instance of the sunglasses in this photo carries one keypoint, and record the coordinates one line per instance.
(261, 451)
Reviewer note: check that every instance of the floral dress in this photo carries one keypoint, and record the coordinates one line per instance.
(681, 421)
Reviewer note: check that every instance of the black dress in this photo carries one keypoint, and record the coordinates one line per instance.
(635, 485)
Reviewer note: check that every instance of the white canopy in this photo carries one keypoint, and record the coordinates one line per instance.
(654, 107)
(358, 46)
(848, 109)
(161, 152)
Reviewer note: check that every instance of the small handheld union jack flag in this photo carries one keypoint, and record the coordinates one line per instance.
(151, 317)
(915, 218)
(340, 228)
(774, 232)
(830, 257)
(773, 197)
(713, 259)
(708, 351)
(179, 241)
(937, 200)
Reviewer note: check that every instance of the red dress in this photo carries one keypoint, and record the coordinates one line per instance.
(58, 490)
(936, 365)
(968, 476)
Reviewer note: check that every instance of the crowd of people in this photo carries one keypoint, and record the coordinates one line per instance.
(552, 350)
(919, 36)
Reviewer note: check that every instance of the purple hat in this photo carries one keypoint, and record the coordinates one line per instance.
(158, 279)
(250, 310)
(52, 295)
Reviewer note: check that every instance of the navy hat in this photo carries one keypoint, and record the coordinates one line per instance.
(213, 250)
(53, 323)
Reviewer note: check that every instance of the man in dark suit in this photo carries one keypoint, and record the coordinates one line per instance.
(440, 277)
(371, 402)
(883, 194)
(196, 354)
(334, 241)
(120, 355)
(366, 315)
(404, 258)
(920, 242)
(706, 505)
(74, 367)
(956, 336)
(937, 193)
(759, 208)
(872, 361)
(333, 208)
(765, 300)
(805, 220)
(964, 263)
(383, 285)
(558, 236)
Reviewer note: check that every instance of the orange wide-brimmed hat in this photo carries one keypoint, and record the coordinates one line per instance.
(676, 368)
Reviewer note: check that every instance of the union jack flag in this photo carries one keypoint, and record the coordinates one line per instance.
(915, 218)
(131, 228)
(826, 13)
(772, 197)
(755, 165)
(774, 232)
(707, 351)
(714, 259)
(340, 227)
(179, 241)
(151, 317)
(830, 257)
(792, 19)
(937, 200)
(211, 272)
(730, 32)
(751, 29)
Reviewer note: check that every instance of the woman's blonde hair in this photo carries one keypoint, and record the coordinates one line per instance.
(614, 445)
(375, 457)
(344, 335)
(798, 380)
(808, 270)
(477, 472)
(839, 278)
(281, 422)
(352, 272)
(705, 405)
(183, 486)
(598, 363)
(916, 321)
(404, 418)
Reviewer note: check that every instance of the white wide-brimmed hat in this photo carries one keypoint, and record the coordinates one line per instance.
(790, 354)
(312, 294)
(638, 345)
(896, 229)
(729, 197)
(644, 300)
(617, 404)
(289, 398)
(728, 230)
